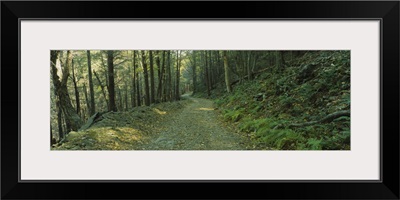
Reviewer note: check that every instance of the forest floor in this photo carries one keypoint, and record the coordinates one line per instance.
(189, 124)
(195, 127)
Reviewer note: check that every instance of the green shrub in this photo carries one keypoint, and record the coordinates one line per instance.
(314, 144)
(233, 115)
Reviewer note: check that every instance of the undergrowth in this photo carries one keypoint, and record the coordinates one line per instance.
(308, 89)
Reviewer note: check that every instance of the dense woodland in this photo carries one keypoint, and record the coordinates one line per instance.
(274, 99)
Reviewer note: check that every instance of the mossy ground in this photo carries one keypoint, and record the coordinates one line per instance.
(121, 130)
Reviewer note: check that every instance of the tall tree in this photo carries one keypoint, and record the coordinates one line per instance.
(146, 79)
(161, 75)
(207, 75)
(139, 101)
(111, 84)
(249, 73)
(102, 89)
(73, 121)
(77, 99)
(133, 86)
(152, 86)
(126, 96)
(169, 77)
(211, 69)
(227, 72)
(86, 98)
(177, 93)
(194, 74)
(120, 103)
(92, 104)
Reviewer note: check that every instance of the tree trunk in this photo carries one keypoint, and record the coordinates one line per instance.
(169, 78)
(59, 120)
(86, 98)
(133, 99)
(160, 75)
(126, 96)
(207, 74)
(248, 65)
(139, 102)
(102, 89)
(194, 73)
(77, 100)
(164, 78)
(227, 74)
(152, 86)
(120, 103)
(177, 93)
(92, 104)
(111, 84)
(73, 121)
(146, 79)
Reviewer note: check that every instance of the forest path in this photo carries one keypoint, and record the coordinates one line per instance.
(195, 127)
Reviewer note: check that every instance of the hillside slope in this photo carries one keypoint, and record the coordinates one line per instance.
(304, 106)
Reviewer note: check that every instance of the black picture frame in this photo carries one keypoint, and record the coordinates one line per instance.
(386, 11)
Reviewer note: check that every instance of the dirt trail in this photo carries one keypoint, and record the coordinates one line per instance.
(195, 127)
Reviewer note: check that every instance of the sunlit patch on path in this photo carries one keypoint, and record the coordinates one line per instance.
(196, 127)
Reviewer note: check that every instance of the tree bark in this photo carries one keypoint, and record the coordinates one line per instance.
(169, 78)
(111, 84)
(146, 79)
(133, 90)
(160, 75)
(210, 70)
(102, 89)
(139, 102)
(73, 121)
(207, 75)
(59, 120)
(152, 86)
(164, 77)
(227, 74)
(77, 99)
(92, 103)
(177, 92)
(248, 65)
(87, 99)
(126, 96)
(120, 102)
(194, 75)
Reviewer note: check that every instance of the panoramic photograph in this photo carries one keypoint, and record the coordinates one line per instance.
(199, 100)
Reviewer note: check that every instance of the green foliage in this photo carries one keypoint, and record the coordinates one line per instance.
(309, 88)
(314, 144)
(233, 115)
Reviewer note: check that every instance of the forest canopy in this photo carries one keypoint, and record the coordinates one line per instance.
(199, 99)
